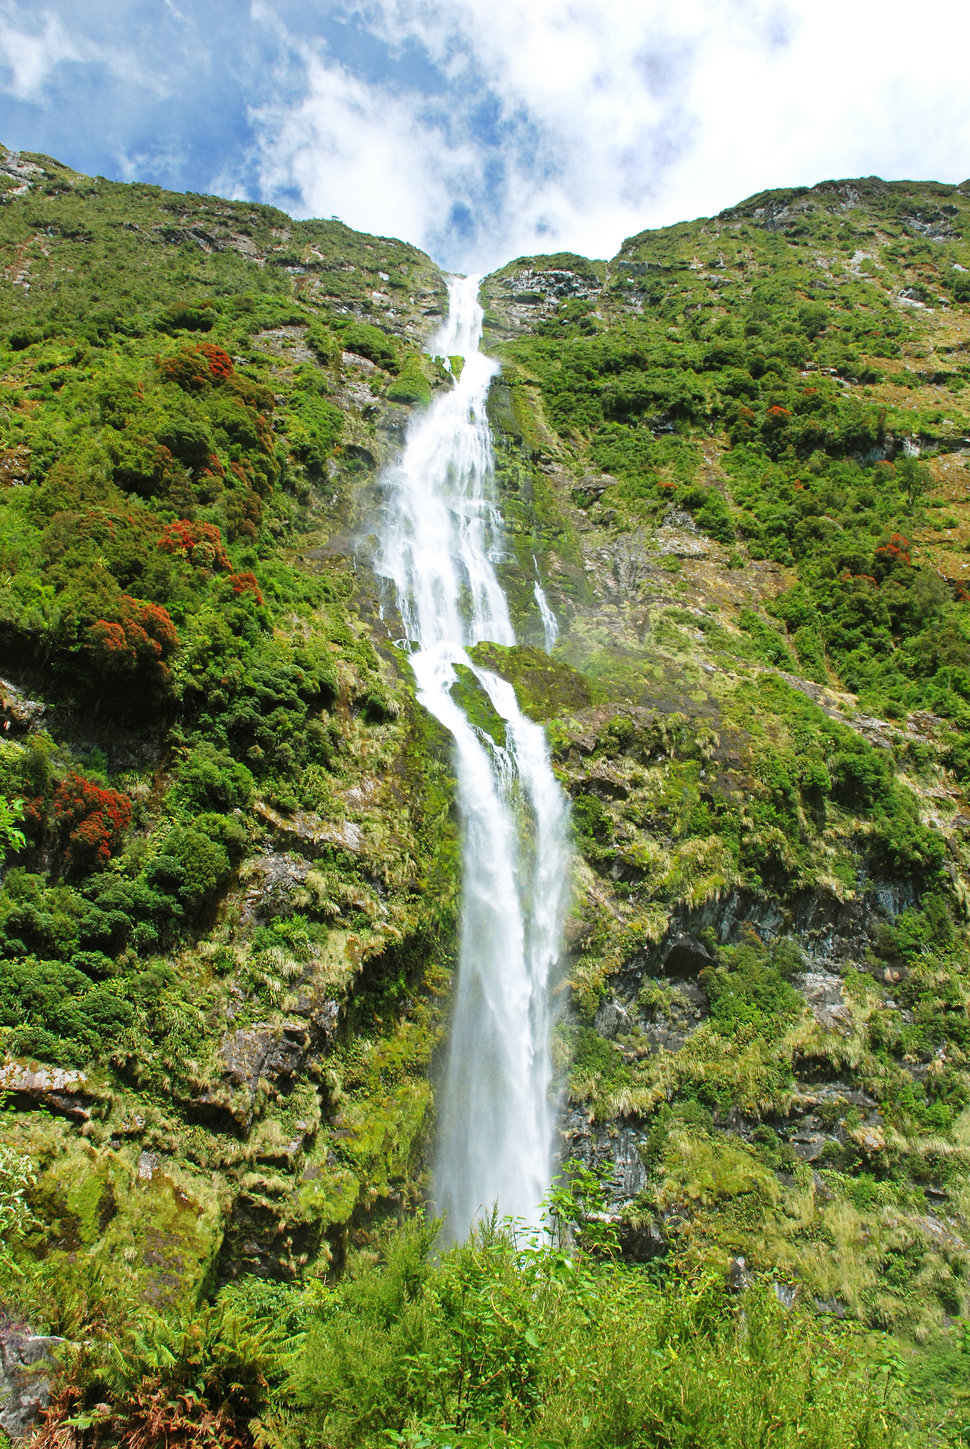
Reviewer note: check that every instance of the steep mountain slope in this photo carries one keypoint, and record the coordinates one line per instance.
(736, 456)
(226, 935)
(739, 451)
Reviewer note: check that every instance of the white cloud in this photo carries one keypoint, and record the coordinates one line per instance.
(30, 57)
(612, 115)
(356, 151)
(481, 129)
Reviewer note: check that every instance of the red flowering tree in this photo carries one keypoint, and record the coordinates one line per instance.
(90, 821)
(217, 359)
(199, 543)
(196, 368)
(142, 637)
(894, 555)
(246, 583)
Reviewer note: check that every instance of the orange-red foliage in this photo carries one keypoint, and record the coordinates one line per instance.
(246, 584)
(199, 543)
(220, 363)
(150, 1417)
(143, 635)
(195, 368)
(898, 547)
(92, 819)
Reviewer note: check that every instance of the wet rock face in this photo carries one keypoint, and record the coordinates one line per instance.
(25, 1378)
(658, 1000)
(264, 1052)
(825, 995)
(270, 1054)
(615, 1155)
(18, 713)
(613, 1019)
(272, 879)
(830, 933)
(54, 1088)
(667, 1027)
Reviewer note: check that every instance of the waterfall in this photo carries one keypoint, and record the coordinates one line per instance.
(550, 624)
(439, 546)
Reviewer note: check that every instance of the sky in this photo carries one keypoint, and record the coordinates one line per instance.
(483, 130)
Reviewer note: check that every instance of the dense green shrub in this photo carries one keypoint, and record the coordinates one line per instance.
(494, 1344)
(368, 341)
(749, 987)
(410, 386)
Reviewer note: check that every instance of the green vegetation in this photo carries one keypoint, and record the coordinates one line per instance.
(749, 427)
(508, 1339)
(734, 457)
(196, 808)
(776, 341)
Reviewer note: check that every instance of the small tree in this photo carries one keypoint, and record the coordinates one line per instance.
(11, 836)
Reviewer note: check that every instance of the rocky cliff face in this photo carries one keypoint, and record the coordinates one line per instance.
(735, 458)
(754, 966)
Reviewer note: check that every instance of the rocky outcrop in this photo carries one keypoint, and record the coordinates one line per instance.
(531, 290)
(19, 714)
(53, 1088)
(26, 1362)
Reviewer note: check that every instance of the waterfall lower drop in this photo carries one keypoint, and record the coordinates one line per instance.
(439, 546)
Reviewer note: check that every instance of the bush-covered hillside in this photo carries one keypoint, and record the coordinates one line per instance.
(735, 457)
(740, 451)
(235, 847)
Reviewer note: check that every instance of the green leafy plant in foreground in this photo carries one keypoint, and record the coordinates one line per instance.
(516, 1337)
(198, 1381)
(11, 836)
(505, 1340)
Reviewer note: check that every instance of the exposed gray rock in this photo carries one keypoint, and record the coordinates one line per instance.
(810, 1145)
(264, 1051)
(615, 1154)
(55, 1088)
(824, 994)
(18, 713)
(669, 1026)
(531, 293)
(267, 1053)
(830, 933)
(147, 1165)
(640, 1241)
(612, 1020)
(682, 541)
(270, 881)
(738, 1275)
(25, 1377)
(307, 833)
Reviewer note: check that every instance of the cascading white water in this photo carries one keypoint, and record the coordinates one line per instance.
(550, 624)
(441, 540)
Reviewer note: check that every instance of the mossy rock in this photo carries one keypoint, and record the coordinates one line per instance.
(154, 1227)
(478, 708)
(545, 688)
(411, 386)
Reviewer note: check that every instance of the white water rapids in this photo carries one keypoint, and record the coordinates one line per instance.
(439, 546)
